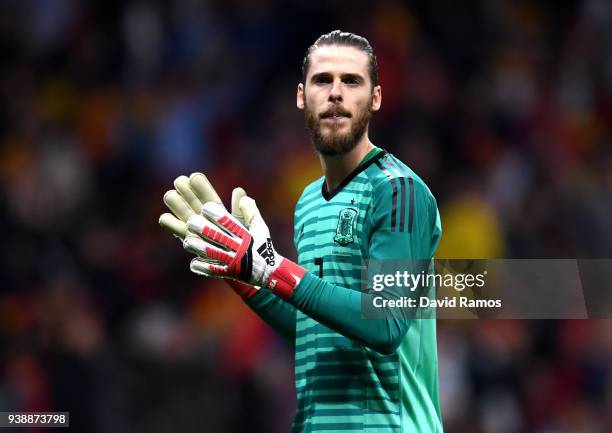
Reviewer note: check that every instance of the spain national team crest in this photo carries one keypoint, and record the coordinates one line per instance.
(346, 227)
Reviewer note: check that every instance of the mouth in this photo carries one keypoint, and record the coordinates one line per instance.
(335, 116)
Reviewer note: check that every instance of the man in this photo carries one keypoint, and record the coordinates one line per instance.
(351, 374)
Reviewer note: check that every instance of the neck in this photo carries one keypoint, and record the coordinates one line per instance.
(337, 168)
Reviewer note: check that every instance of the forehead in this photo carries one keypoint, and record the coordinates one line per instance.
(338, 60)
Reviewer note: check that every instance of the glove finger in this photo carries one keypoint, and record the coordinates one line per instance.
(178, 205)
(203, 189)
(249, 210)
(181, 184)
(218, 214)
(208, 251)
(173, 225)
(209, 231)
(202, 267)
(195, 245)
(237, 194)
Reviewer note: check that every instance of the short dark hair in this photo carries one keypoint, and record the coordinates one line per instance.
(347, 39)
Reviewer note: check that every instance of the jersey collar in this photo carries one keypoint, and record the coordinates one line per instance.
(361, 167)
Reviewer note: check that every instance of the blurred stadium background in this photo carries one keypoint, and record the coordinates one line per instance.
(503, 107)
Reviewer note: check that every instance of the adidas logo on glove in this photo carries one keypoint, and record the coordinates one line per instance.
(267, 252)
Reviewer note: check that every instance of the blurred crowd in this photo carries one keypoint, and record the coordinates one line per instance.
(504, 108)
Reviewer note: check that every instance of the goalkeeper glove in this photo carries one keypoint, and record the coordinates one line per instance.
(186, 200)
(229, 249)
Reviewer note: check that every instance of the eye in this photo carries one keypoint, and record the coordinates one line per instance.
(322, 79)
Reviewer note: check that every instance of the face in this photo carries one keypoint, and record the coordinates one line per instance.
(337, 98)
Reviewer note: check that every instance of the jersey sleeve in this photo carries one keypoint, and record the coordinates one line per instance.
(405, 221)
(405, 225)
(276, 312)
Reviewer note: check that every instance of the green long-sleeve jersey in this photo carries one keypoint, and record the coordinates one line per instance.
(356, 374)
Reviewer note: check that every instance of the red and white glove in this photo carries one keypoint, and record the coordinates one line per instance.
(228, 249)
(185, 200)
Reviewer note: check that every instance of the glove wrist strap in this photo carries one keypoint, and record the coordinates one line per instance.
(285, 278)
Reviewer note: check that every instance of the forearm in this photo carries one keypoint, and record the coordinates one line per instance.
(340, 309)
(273, 310)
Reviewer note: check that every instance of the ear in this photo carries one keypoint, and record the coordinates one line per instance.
(300, 96)
(376, 98)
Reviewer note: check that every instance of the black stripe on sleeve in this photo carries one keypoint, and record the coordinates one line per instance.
(405, 173)
(403, 206)
(394, 197)
(411, 205)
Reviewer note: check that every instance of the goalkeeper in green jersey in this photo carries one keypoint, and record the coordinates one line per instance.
(351, 374)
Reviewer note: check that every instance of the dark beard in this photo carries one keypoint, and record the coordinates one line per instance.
(334, 144)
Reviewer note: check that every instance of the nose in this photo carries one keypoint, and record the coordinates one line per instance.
(335, 94)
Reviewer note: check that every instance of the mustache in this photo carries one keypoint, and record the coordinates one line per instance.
(335, 111)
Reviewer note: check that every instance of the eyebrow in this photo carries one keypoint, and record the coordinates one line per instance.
(357, 77)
